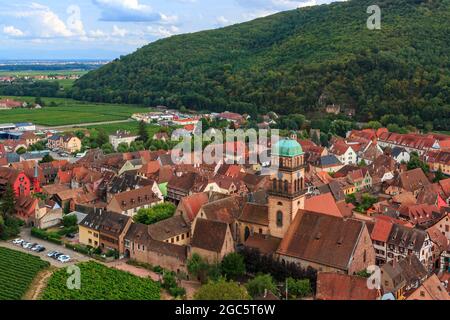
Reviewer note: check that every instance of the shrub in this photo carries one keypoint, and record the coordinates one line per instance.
(258, 285)
(154, 214)
(298, 288)
(222, 290)
(233, 265)
(70, 221)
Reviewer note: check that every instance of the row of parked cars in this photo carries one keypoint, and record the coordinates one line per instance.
(59, 256)
(39, 248)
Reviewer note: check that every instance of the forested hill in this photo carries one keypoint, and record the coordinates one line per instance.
(287, 61)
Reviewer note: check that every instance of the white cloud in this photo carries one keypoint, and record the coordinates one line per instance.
(162, 32)
(222, 21)
(44, 23)
(126, 10)
(118, 32)
(12, 31)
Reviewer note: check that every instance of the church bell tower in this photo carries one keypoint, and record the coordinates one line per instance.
(287, 190)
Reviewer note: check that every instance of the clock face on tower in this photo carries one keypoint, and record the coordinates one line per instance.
(280, 175)
(299, 174)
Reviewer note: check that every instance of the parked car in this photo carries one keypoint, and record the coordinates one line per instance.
(26, 245)
(17, 241)
(57, 255)
(30, 247)
(52, 253)
(64, 259)
(70, 235)
(38, 248)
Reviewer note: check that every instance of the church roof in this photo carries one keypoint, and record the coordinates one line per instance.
(287, 148)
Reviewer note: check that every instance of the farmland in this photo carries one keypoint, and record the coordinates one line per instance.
(17, 271)
(99, 282)
(60, 111)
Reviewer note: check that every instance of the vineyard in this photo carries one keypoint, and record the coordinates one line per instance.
(99, 282)
(17, 271)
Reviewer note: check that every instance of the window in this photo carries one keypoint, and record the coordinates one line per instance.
(279, 219)
(90, 241)
(178, 238)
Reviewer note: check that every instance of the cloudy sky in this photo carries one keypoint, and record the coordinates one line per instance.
(105, 29)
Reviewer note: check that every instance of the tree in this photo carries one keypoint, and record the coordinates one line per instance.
(70, 221)
(258, 285)
(143, 133)
(298, 288)
(122, 147)
(66, 209)
(47, 158)
(438, 176)
(107, 148)
(373, 125)
(154, 214)
(415, 162)
(102, 137)
(222, 290)
(8, 201)
(233, 265)
(21, 150)
(198, 267)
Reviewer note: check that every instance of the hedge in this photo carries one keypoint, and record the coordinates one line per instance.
(44, 235)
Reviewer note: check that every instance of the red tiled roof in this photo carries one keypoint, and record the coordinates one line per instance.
(381, 230)
(193, 203)
(335, 286)
(323, 203)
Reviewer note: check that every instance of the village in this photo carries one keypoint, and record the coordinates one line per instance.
(374, 200)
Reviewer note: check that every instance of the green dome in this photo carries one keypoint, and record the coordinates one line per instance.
(287, 148)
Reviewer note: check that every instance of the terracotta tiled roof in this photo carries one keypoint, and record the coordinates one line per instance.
(322, 239)
(413, 180)
(335, 286)
(106, 222)
(135, 198)
(255, 213)
(323, 203)
(381, 230)
(226, 210)
(168, 228)
(209, 235)
(193, 203)
(138, 233)
(434, 288)
(264, 243)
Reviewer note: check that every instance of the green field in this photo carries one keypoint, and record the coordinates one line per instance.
(99, 282)
(17, 271)
(60, 111)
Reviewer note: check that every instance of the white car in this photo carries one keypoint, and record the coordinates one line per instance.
(17, 241)
(64, 259)
(28, 245)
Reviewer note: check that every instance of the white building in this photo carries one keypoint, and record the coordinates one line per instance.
(122, 137)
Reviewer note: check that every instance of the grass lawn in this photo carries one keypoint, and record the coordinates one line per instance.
(60, 111)
(99, 282)
(17, 271)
